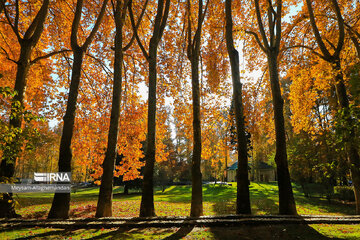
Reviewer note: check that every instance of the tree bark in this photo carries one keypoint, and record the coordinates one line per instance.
(243, 195)
(351, 149)
(61, 202)
(350, 145)
(271, 48)
(126, 188)
(356, 44)
(193, 53)
(196, 176)
(104, 206)
(286, 198)
(27, 43)
(147, 198)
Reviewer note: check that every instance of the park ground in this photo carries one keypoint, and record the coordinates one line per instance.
(175, 201)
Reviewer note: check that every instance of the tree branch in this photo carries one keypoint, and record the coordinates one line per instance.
(201, 17)
(318, 38)
(34, 30)
(157, 23)
(49, 55)
(271, 7)
(189, 37)
(257, 39)
(103, 66)
(9, 21)
(340, 21)
(330, 43)
(40, 22)
(136, 26)
(303, 46)
(205, 11)
(96, 26)
(261, 26)
(16, 23)
(164, 18)
(7, 55)
(75, 24)
(278, 24)
(143, 50)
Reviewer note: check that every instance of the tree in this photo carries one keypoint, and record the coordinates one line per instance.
(340, 89)
(147, 199)
(27, 43)
(193, 53)
(243, 195)
(270, 45)
(61, 202)
(104, 208)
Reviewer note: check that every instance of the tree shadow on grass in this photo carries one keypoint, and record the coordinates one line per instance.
(131, 233)
(58, 232)
(119, 233)
(52, 232)
(89, 233)
(179, 234)
(328, 207)
(269, 232)
(70, 232)
(263, 201)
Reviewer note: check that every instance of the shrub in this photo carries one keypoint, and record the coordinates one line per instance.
(344, 193)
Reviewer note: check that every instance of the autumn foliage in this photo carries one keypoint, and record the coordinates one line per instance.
(317, 59)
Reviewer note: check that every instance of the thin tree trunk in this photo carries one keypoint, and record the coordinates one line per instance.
(104, 206)
(243, 195)
(126, 188)
(356, 44)
(351, 149)
(23, 65)
(147, 199)
(61, 202)
(196, 176)
(27, 43)
(286, 198)
(193, 52)
(271, 47)
(350, 145)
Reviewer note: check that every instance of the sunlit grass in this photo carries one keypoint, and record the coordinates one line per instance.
(175, 201)
(283, 232)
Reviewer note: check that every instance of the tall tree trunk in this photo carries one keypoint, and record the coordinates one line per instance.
(196, 176)
(23, 65)
(7, 167)
(351, 149)
(193, 52)
(61, 202)
(271, 47)
(147, 201)
(104, 206)
(243, 195)
(27, 43)
(356, 44)
(147, 198)
(286, 198)
(350, 145)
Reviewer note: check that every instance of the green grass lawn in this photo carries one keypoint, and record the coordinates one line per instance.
(175, 201)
